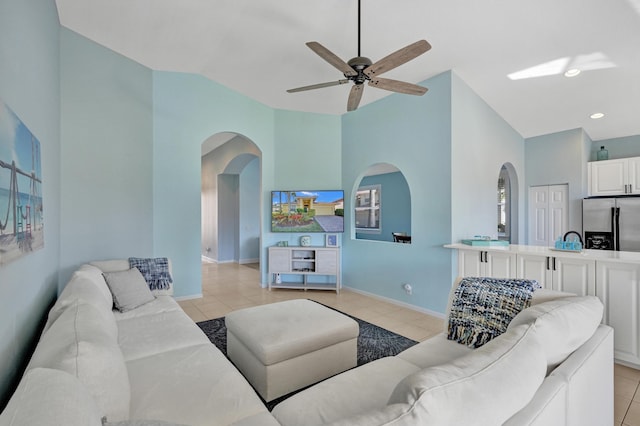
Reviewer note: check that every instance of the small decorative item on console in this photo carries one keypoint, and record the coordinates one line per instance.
(305, 240)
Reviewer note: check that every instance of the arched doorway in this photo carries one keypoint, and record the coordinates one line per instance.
(231, 199)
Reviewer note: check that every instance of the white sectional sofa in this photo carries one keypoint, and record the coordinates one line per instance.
(153, 366)
(553, 366)
(152, 362)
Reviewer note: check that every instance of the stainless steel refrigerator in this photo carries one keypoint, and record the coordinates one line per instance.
(611, 223)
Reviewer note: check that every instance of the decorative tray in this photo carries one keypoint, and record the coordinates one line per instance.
(567, 250)
(484, 242)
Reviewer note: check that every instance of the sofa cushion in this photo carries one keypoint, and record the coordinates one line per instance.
(83, 287)
(562, 325)
(82, 343)
(434, 351)
(129, 289)
(483, 307)
(158, 305)
(195, 385)
(95, 275)
(143, 336)
(141, 422)
(486, 386)
(50, 397)
(360, 390)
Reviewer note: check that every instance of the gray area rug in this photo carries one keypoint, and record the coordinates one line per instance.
(373, 343)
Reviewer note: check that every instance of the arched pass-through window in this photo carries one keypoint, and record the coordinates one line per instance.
(507, 198)
(382, 205)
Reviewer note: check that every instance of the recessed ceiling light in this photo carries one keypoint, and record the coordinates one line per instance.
(596, 115)
(572, 72)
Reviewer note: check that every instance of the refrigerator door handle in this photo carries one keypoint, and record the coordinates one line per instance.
(613, 228)
(617, 229)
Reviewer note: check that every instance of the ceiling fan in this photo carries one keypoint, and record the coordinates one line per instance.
(360, 69)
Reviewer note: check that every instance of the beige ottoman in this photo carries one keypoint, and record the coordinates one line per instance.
(285, 346)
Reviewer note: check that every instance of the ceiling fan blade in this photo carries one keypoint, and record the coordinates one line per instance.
(398, 58)
(354, 97)
(331, 57)
(318, 86)
(398, 86)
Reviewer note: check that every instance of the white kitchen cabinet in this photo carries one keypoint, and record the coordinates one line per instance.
(486, 263)
(568, 274)
(617, 287)
(294, 263)
(614, 177)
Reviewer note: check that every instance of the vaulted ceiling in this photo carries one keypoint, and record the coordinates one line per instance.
(512, 53)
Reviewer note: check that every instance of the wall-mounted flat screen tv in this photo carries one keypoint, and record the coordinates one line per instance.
(307, 211)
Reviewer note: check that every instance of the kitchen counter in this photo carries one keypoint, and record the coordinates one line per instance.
(610, 255)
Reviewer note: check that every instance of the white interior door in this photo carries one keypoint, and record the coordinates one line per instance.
(548, 213)
(558, 212)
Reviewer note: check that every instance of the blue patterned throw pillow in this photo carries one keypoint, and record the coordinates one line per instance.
(154, 270)
(482, 308)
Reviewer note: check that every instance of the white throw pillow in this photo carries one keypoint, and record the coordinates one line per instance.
(80, 342)
(129, 289)
(562, 325)
(116, 265)
(485, 387)
(50, 397)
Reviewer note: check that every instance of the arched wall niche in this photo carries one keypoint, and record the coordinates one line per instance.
(381, 205)
(231, 196)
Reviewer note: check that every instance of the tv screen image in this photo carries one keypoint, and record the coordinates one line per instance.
(307, 211)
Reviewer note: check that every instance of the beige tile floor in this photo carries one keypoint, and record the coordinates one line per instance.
(227, 287)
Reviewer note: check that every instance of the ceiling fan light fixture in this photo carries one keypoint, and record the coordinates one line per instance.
(360, 70)
(572, 72)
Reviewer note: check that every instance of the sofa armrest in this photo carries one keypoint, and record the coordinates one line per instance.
(589, 376)
(546, 408)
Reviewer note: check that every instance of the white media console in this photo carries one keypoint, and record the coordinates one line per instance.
(285, 262)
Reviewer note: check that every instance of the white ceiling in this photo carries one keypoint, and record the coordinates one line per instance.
(257, 48)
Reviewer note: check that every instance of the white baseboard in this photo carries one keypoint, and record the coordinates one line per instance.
(208, 259)
(245, 261)
(189, 297)
(397, 302)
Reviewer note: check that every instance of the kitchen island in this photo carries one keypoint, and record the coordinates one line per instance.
(613, 276)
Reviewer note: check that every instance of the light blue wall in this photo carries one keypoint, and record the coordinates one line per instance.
(560, 158)
(628, 146)
(414, 134)
(188, 109)
(249, 239)
(307, 157)
(395, 211)
(29, 76)
(481, 143)
(107, 153)
(228, 213)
